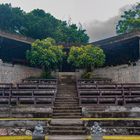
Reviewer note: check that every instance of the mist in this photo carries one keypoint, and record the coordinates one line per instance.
(98, 30)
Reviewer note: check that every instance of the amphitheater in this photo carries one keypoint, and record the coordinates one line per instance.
(106, 107)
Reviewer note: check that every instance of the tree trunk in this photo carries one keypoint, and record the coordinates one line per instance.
(88, 69)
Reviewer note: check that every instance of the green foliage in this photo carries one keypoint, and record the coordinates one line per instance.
(130, 20)
(45, 54)
(11, 19)
(86, 75)
(46, 75)
(86, 57)
(39, 25)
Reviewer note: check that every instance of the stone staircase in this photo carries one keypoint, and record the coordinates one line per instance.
(66, 111)
(66, 103)
(67, 127)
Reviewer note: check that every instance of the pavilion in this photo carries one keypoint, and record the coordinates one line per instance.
(121, 49)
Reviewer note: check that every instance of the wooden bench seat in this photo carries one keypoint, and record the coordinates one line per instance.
(109, 86)
(36, 86)
(39, 81)
(28, 92)
(109, 92)
(95, 80)
(6, 85)
(26, 100)
(119, 100)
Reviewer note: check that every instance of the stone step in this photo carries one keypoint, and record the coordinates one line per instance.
(66, 102)
(67, 108)
(69, 137)
(67, 87)
(66, 105)
(66, 122)
(70, 100)
(67, 111)
(67, 117)
(63, 85)
(65, 96)
(67, 114)
(66, 128)
(67, 92)
(66, 125)
(67, 132)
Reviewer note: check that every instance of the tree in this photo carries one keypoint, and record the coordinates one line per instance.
(11, 19)
(130, 20)
(38, 24)
(45, 54)
(86, 57)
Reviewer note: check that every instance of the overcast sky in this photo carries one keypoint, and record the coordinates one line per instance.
(97, 16)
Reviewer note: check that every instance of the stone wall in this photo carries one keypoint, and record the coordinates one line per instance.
(15, 73)
(122, 73)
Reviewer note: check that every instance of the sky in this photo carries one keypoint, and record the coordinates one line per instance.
(98, 17)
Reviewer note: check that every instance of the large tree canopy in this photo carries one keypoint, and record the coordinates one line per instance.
(86, 56)
(39, 25)
(130, 20)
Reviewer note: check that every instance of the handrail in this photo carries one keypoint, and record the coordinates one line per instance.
(15, 137)
(110, 119)
(121, 137)
(20, 138)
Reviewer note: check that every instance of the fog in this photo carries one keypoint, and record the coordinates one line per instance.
(98, 30)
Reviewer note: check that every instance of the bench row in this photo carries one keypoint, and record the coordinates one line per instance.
(109, 86)
(27, 86)
(109, 92)
(27, 92)
(40, 81)
(26, 100)
(91, 93)
(90, 100)
(95, 80)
